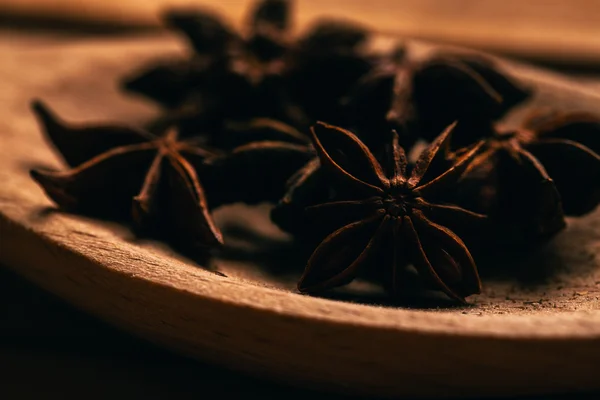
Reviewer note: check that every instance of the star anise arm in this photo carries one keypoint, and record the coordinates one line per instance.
(146, 203)
(299, 181)
(512, 92)
(440, 257)
(99, 187)
(448, 88)
(575, 170)
(305, 187)
(485, 156)
(440, 82)
(205, 31)
(449, 178)
(452, 215)
(528, 195)
(580, 127)
(338, 258)
(397, 162)
(466, 281)
(354, 209)
(253, 173)
(186, 217)
(349, 161)
(325, 217)
(169, 82)
(76, 143)
(437, 148)
(264, 129)
(417, 255)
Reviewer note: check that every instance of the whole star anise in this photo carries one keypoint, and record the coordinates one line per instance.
(567, 144)
(263, 73)
(537, 173)
(119, 172)
(421, 97)
(389, 215)
(230, 75)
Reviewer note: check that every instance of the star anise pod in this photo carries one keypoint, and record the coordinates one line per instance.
(540, 171)
(123, 173)
(230, 74)
(427, 95)
(384, 218)
(263, 73)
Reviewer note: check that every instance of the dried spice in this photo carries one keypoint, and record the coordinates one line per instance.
(229, 76)
(423, 97)
(245, 101)
(123, 173)
(393, 209)
(468, 88)
(568, 147)
(539, 172)
(263, 73)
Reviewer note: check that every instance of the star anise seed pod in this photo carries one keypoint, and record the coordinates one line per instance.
(263, 73)
(539, 172)
(123, 173)
(568, 146)
(378, 204)
(231, 75)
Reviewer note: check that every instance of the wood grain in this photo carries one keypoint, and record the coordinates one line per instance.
(259, 326)
(560, 31)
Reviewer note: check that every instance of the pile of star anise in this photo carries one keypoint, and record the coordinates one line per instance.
(325, 129)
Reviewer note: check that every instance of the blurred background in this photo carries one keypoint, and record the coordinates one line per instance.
(560, 32)
(54, 351)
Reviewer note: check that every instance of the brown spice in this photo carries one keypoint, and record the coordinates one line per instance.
(377, 208)
(131, 174)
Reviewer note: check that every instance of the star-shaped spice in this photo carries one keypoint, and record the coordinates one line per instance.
(230, 75)
(539, 172)
(259, 73)
(567, 144)
(119, 172)
(427, 95)
(384, 218)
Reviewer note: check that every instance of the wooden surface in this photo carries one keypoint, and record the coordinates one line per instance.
(560, 31)
(50, 350)
(249, 320)
(55, 351)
